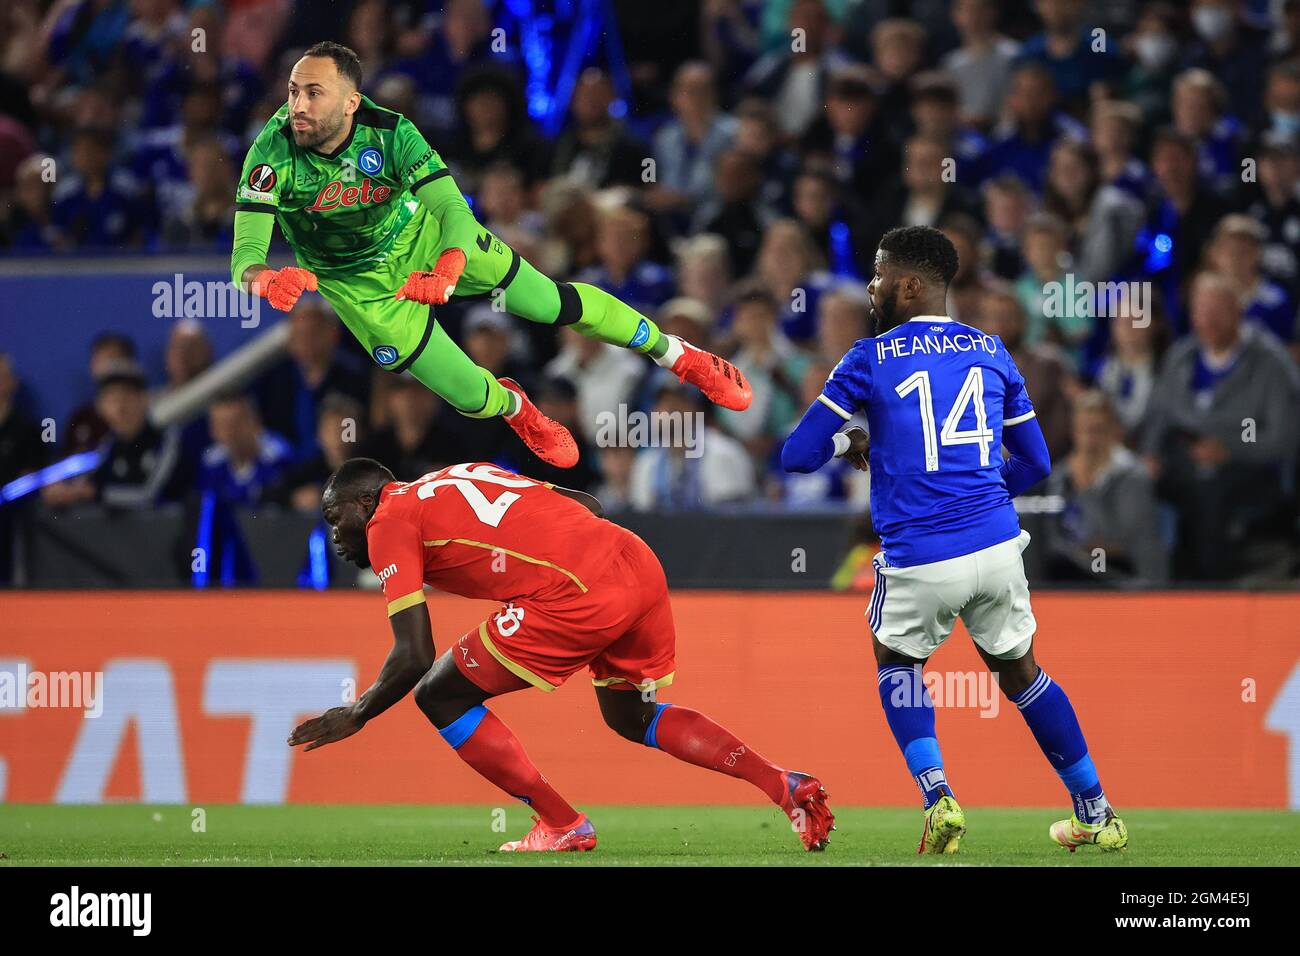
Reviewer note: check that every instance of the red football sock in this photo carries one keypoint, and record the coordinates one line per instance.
(496, 753)
(690, 736)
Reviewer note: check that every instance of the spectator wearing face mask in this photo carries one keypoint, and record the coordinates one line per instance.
(1229, 47)
(1154, 57)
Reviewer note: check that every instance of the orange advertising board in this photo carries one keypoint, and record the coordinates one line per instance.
(1186, 699)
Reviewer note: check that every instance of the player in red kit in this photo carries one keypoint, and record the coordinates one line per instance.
(578, 591)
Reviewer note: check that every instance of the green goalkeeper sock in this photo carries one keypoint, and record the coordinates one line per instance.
(608, 319)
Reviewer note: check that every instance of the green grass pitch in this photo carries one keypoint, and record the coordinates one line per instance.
(127, 834)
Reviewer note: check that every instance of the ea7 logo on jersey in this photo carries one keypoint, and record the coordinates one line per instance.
(261, 179)
(334, 195)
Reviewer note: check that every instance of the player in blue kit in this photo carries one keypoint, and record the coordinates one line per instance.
(941, 400)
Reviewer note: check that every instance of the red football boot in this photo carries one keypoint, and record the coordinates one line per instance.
(548, 440)
(578, 838)
(719, 380)
(808, 810)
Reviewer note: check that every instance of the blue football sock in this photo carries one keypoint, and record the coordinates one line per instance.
(1051, 719)
(910, 713)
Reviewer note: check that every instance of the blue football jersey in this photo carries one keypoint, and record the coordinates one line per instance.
(936, 394)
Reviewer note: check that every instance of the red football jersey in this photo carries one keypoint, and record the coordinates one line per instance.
(478, 531)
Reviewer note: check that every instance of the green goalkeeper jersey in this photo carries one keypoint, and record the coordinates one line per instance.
(343, 212)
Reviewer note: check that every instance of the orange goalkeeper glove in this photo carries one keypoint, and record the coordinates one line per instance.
(281, 287)
(436, 287)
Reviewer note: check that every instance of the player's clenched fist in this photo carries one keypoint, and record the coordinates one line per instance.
(282, 287)
(436, 287)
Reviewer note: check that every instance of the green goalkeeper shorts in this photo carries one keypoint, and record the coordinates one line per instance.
(406, 335)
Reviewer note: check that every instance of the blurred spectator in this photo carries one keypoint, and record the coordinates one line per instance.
(1282, 101)
(188, 355)
(687, 147)
(1023, 142)
(935, 115)
(98, 206)
(897, 45)
(1222, 435)
(973, 278)
(699, 467)
(793, 272)
(1228, 47)
(1053, 313)
(615, 489)
(1200, 106)
(340, 431)
(603, 375)
(1126, 374)
(1007, 202)
(704, 271)
(204, 213)
(142, 466)
(29, 225)
(1180, 222)
(981, 66)
(1154, 51)
(794, 74)
(244, 458)
(622, 241)
(1069, 51)
(595, 148)
(926, 197)
(420, 436)
(834, 221)
(289, 392)
(571, 226)
(738, 214)
(1115, 128)
(86, 428)
(161, 162)
(1047, 377)
(759, 136)
(843, 317)
(850, 133)
(1235, 254)
(21, 447)
(1110, 529)
(1277, 207)
(489, 337)
(502, 208)
(495, 127)
(1103, 220)
(774, 367)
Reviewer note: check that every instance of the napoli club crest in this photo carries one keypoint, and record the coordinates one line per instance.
(370, 160)
(385, 354)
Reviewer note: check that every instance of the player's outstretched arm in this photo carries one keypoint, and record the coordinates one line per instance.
(248, 268)
(817, 439)
(460, 231)
(1030, 462)
(411, 657)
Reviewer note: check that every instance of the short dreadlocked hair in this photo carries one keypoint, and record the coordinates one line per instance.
(345, 59)
(356, 477)
(923, 249)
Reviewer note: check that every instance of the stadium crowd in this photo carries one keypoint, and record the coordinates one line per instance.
(737, 197)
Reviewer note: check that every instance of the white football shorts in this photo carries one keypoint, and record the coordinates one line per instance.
(913, 610)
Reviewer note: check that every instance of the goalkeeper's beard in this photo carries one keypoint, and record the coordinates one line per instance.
(319, 133)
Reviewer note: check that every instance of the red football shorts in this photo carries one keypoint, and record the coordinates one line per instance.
(621, 628)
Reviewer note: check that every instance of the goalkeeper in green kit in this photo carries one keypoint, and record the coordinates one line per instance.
(379, 228)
